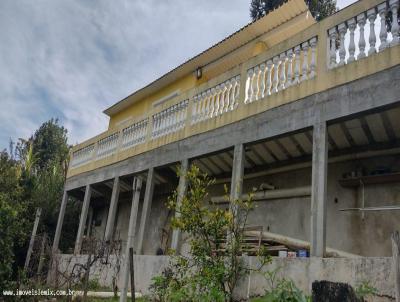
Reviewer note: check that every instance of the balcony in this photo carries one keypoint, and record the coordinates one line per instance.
(351, 44)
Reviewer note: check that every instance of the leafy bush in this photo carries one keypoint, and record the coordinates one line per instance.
(281, 290)
(364, 290)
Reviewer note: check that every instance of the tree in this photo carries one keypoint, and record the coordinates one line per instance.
(13, 226)
(320, 9)
(48, 143)
(32, 175)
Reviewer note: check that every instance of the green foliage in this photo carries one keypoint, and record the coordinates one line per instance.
(365, 289)
(320, 9)
(281, 289)
(10, 230)
(285, 291)
(49, 144)
(31, 176)
(206, 274)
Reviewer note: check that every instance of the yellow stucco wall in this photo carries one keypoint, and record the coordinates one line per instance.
(142, 108)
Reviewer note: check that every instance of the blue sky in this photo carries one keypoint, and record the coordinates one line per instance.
(72, 59)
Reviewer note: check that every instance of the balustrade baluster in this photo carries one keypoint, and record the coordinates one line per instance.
(167, 120)
(175, 117)
(304, 70)
(313, 63)
(162, 122)
(232, 98)
(254, 84)
(275, 82)
(332, 53)
(213, 100)
(185, 112)
(217, 91)
(371, 15)
(222, 99)
(289, 80)
(178, 116)
(283, 59)
(361, 42)
(249, 86)
(225, 96)
(383, 32)
(297, 65)
(194, 109)
(263, 74)
(237, 90)
(210, 102)
(199, 108)
(352, 46)
(394, 7)
(269, 78)
(158, 124)
(206, 105)
(155, 125)
(342, 28)
(228, 99)
(261, 81)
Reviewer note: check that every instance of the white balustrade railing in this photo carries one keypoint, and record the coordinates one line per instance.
(287, 69)
(216, 101)
(82, 156)
(170, 120)
(364, 35)
(134, 134)
(107, 146)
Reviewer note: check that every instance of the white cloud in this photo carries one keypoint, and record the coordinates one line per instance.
(72, 59)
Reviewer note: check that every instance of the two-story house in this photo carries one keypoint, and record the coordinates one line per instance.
(306, 112)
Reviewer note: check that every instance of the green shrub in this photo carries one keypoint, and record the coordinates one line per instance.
(364, 290)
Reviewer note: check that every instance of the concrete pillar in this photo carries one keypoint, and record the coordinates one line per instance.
(148, 199)
(182, 187)
(112, 210)
(82, 220)
(237, 172)
(137, 185)
(60, 221)
(319, 189)
(90, 222)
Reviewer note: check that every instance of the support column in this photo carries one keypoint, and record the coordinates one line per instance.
(60, 222)
(90, 222)
(82, 220)
(148, 199)
(319, 189)
(182, 187)
(112, 211)
(237, 172)
(137, 185)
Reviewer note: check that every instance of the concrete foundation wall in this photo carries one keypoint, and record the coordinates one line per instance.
(303, 271)
(346, 231)
(158, 231)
